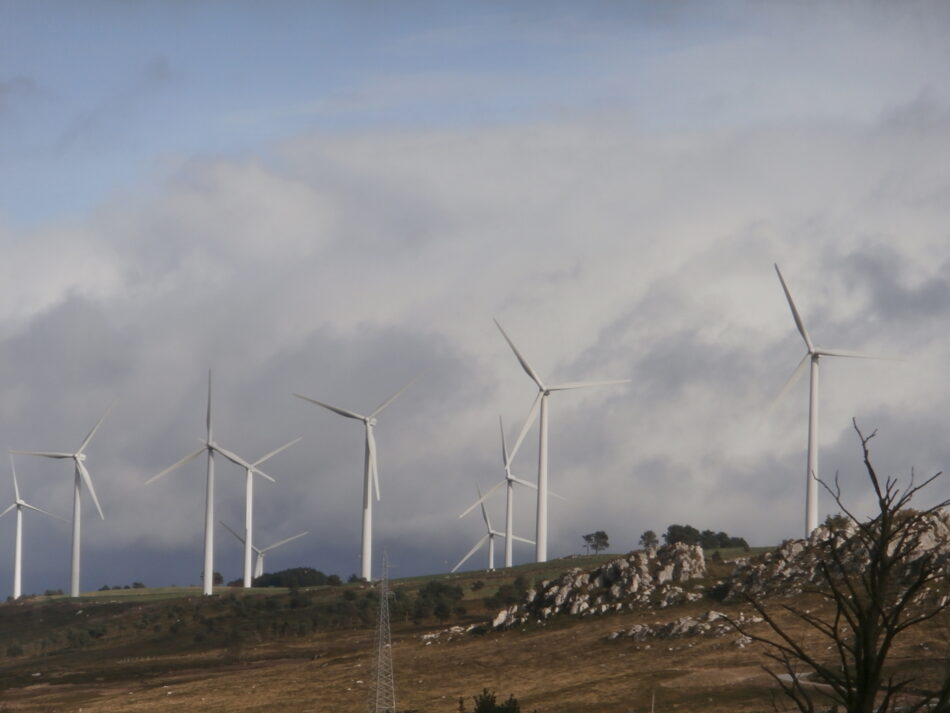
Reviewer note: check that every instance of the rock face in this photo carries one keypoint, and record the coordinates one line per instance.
(648, 578)
(796, 565)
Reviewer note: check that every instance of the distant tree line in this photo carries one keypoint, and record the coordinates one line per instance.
(689, 535)
(295, 577)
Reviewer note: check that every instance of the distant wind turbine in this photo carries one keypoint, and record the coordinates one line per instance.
(249, 510)
(370, 473)
(20, 504)
(489, 537)
(210, 447)
(541, 402)
(812, 355)
(261, 551)
(509, 480)
(81, 475)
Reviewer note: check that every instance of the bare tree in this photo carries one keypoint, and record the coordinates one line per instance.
(881, 577)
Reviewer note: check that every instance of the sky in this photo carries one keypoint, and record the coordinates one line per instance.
(334, 199)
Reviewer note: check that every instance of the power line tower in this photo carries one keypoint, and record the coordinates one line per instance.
(383, 691)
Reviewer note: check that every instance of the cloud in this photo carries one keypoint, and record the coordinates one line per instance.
(342, 265)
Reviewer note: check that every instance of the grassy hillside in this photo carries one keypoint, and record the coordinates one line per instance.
(309, 650)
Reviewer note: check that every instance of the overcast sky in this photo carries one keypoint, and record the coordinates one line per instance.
(335, 198)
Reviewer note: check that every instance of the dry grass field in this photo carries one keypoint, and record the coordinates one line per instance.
(565, 666)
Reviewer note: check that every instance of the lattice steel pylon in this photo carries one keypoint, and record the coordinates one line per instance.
(383, 690)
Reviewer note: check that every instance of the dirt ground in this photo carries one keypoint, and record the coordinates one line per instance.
(565, 667)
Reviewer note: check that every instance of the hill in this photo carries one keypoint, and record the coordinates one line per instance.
(308, 649)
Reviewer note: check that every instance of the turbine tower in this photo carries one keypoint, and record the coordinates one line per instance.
(812, 355)
(541, 403)
(261, 551)
(489, 537)
(370, 473)
(510, 481)
(210, 447)
(248, 538)
(81, 475)
(20, 504)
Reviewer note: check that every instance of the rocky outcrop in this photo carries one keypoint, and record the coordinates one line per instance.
(712, 623)
(796, 565)
(647, 578)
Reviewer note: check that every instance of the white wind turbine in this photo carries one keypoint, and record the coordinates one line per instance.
(510, 481)
(370, 473)
(81, 475)
(249, 510)
(489, 537)
(210, 447)
(259, 565)
(541, 402)
(20, 504)
(812, 355)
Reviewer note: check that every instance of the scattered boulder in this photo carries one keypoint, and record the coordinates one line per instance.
(712, 623)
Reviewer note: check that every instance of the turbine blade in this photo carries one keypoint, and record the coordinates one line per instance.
(88, 481)
(9, 508)
(524, 364)
(504, 446)
(853, 355)
(16, 487)
(795, 315)
(373, 464)
(790, 382)
(555, 495)
(484, 511)
(275, 452)
(208, 420)
(237, 460)
(584, 384)
(283, 542)
(528, 422)
(225, 526)
(335, 409)
(95, 428)
(482, 498)
(471, 552)
(180, 463)
(525, 482)
(390, 400)
(44, 454)
(55, 517)
(521, 539)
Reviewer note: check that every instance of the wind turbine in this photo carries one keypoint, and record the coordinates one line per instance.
(489, 536)
(249, 510)
(510, 481)
(81, 476)
(370, 473)
(541, 402)
(259, 565)
(812, 355)
(210, 447)
(19, 504)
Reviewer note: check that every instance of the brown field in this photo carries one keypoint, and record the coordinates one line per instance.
(566, 666)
